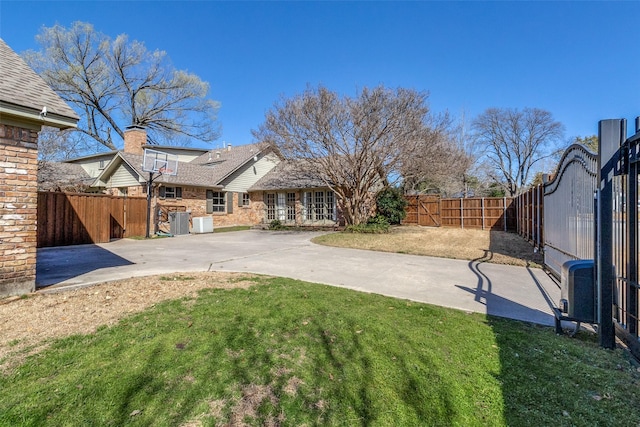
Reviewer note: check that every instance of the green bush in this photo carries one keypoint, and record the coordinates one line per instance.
(377, 224)
(391, 204)
(276, 224)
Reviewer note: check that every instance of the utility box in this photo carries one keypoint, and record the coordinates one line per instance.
(578, 291)
(203, 224)
(179, 223)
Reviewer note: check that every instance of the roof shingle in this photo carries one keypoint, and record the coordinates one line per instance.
(21, 86)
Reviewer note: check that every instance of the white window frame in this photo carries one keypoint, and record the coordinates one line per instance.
(319, 206)
(220, 197)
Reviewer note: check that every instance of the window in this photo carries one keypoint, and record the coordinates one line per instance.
(319, 206)
(308, 207)
(270, 201)
(291, 207)
(215, 201)
(281, 206)
(245, 199)
(171, 192)
(103, 164)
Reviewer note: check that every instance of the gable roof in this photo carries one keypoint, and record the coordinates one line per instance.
(23, 94)
(208, 170)
(188, 173)
(225, 162)
(289, 175)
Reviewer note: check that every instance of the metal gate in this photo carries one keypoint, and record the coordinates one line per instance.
(569, 221)
(617, 258)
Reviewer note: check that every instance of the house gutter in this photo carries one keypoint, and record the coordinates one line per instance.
(16, 115)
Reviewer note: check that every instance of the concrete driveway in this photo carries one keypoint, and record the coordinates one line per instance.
(513, 292)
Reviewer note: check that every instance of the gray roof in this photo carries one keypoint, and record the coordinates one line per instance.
(208, 170)
(62, 176)
(20, 86)
(289, 175)
(188, 173)
(222, 163)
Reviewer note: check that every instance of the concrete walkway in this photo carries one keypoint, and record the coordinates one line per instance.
(513, 292)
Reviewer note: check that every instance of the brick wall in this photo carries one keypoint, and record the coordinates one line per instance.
(195, 200)
(134, 139)
(18, 205)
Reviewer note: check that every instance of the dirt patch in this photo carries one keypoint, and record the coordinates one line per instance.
(28, 324)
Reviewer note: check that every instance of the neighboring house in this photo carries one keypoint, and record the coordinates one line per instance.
(26, 104)
(208, 182)
(67, 177)
(296, 195)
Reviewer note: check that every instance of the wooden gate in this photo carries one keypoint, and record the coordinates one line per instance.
(423, 210)
(75, 218)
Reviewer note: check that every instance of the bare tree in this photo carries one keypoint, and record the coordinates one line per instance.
(355, 145)
(436, 163)
(116, 83)
(516, 141)
(57, 145)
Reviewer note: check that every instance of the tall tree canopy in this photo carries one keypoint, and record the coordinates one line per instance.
(517, 141)
(357, 146)
(591, 142)
(116, 83)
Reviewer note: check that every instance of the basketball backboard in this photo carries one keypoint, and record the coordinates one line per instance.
(155, 161)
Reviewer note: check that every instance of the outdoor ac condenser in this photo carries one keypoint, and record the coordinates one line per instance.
(179, 223)
(203, 224)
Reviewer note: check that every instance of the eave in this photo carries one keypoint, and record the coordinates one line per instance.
(16, 115)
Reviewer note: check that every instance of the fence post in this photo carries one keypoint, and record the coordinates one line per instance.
(482, 207)
(504, 213)
(461, 214)
(518, 215)
(611, 133)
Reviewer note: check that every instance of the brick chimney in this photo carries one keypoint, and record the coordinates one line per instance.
(134, 138)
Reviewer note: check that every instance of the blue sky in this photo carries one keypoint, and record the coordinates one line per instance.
(579, 60)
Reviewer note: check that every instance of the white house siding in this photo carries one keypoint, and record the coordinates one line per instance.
(242, 179)
(124, 176)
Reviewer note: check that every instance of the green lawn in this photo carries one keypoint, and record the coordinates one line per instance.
(286, 352)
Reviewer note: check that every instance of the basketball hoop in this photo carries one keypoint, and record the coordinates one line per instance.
(155, 161)
(162, 164)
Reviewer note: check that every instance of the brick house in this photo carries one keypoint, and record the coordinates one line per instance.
(296, 195)
(210, 183)
(26, 104)
(243, 185)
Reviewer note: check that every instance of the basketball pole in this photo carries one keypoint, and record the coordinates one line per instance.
(149, 194)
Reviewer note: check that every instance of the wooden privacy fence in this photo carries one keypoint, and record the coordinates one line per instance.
(74, 218)
(486, 213)
(530, 209)
(423, 210)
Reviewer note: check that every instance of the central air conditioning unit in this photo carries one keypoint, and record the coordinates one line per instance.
(179, 223)
(203, 224)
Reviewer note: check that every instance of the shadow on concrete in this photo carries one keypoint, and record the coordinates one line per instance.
(55, 265)
(497, 305)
